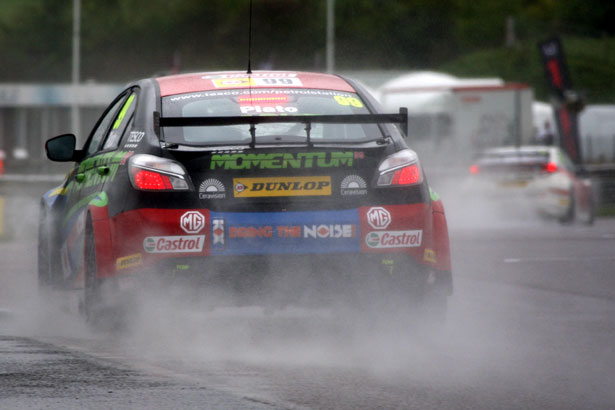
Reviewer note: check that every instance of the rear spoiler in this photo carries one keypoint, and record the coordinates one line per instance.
(308, 120)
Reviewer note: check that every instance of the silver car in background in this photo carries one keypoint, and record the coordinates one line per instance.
(543, 175)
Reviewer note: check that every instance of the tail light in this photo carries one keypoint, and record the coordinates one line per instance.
(550, 167)
(152, 173)
(400, 169)
(474, 169)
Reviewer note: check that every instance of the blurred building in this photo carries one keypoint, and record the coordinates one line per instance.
(32, 113)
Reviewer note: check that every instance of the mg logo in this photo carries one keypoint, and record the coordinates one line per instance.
(192, 222)
(378, 218)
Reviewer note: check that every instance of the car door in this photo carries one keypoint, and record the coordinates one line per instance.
(99, 163)
(89, 177)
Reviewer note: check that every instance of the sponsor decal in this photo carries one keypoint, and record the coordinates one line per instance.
(239, 187)
(129, 261)
(250, 232)
(256, 82)
(282, 186)
(217, 231)
(429, 255)
(135, 137)
(265, 231)
(353, 185)
(346, 101)
(253, 75)
(188, 97)
(378, 217)
(232, 82)
(241, 161)
(112, 160)
(288, 231)
(212, 189)
(394, 239)
(192, 222)
(329, 231)
(257, 109)
(277, 82)
(174, 244)
(292, 232)
(230, 92)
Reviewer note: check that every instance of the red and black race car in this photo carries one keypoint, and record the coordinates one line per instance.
(234, 177)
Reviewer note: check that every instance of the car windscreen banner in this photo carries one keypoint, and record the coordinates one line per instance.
(558, 79)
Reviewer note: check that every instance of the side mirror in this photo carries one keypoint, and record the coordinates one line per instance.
(62, 148)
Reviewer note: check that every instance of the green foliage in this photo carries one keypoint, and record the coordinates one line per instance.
(591, 63)
(126, 39)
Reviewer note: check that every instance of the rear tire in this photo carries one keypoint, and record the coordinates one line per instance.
(570, 213)
(99, 312)
(92, 294)
(588, 219)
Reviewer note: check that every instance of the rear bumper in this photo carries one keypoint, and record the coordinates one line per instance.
(145, 238)
(542, 199)
(296, 278)
(555, 203)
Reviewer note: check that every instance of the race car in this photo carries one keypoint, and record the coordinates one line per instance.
(234, 178)
(544, 175)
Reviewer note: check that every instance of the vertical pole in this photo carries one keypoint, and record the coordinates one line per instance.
(45, 130)
(330, 36)
(517, 138)
(1, 216)
(3, 114)
(511, 38)
(75, 117)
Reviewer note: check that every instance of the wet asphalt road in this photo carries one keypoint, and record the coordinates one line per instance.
(531, 326)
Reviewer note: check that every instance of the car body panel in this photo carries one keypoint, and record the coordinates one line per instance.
(541, 174)
(186, 83)
(280, 198)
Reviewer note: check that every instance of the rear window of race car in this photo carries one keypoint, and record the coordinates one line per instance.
(246, 102)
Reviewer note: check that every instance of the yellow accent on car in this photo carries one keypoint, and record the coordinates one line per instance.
(120, 118)
(129, 261)
(282, 186)
(429, 255)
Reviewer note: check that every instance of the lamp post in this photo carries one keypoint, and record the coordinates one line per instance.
(75, 114)
(330, 36)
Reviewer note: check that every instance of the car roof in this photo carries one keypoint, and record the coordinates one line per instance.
(225, 80)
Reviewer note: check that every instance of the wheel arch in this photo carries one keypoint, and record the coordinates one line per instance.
(98, 220)
(441, 243)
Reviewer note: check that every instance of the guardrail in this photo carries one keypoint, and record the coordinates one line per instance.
(19, 198)
(31, 178)
(606, 169)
